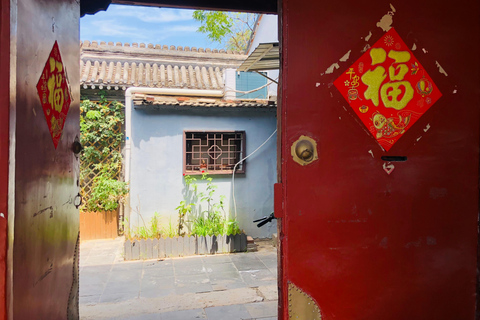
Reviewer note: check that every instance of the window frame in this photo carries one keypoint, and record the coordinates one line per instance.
(241, 169)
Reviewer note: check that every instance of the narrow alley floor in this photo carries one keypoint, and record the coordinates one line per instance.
(215, 287)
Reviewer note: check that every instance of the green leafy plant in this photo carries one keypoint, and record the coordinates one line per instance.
(101, 160)
(183, 209)
(150, 230)
(231, 227)
(107, 193)
(212, 220)
(170, 230)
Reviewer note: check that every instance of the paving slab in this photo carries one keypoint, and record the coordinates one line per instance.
(270, 261)
(189, 267)
(217, 258)
(269, 292)
(115, 296)
(232, 312)
(158, 268)
(220, 268)
(261, 310)
(248, 262)
(157, 286)
(183, 315)
(192, 283)
(259, 277)
(158, 292)
(226, 280)
(89, 300)
(224, 286)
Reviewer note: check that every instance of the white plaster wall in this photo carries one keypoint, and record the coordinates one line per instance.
(267, 31)
(156, 178)
(230, 84)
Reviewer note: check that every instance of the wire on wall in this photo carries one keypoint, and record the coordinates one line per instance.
(228, 89)
(235, 168)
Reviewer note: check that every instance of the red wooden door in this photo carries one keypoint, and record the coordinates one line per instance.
(365, 237)
(44, 123)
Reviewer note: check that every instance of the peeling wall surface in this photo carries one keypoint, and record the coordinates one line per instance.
(372, 232)
(156, 181)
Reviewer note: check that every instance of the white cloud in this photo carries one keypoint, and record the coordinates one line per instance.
(181, 28)
(153, 15)
(110, 28)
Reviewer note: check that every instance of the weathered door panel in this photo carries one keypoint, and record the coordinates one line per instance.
(361, 242)
(46, 178)
(4, 145)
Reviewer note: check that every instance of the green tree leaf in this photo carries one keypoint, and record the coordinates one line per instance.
(232, 30)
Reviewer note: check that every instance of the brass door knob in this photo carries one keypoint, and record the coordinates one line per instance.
(304, 150)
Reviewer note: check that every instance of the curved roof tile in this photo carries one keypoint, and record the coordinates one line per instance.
(119, 66)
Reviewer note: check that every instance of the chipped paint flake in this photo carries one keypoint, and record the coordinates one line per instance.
(384, 243)
(427, 127)
(387, 20)
(346, 56)
(385, 23)
(424, 50)
(454, 91)
(332, 68)
(367, 38)
(414, 47)
(339, 118)
(365, 48)
(388, 168)
(440, 69)
(371, 152)
(418, 139)
(429, 241)
(317, 84)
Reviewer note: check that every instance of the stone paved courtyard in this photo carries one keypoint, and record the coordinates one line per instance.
(229, 286)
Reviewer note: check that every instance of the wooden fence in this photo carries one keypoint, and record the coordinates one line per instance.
(98, 225)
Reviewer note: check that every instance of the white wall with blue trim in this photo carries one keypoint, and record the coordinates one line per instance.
(156, 175)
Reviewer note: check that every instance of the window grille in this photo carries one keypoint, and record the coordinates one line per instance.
(213, 152)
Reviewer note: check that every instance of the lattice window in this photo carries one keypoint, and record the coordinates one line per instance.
(213, 152)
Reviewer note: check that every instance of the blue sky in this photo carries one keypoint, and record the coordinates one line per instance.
(121, 23)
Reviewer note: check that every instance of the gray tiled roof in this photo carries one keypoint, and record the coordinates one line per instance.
(146, 101)
(119, 66)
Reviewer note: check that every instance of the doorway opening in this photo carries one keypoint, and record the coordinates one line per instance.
(169, 92)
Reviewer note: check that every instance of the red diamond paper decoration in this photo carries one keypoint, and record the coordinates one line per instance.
(54, 93)
(388, 89)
